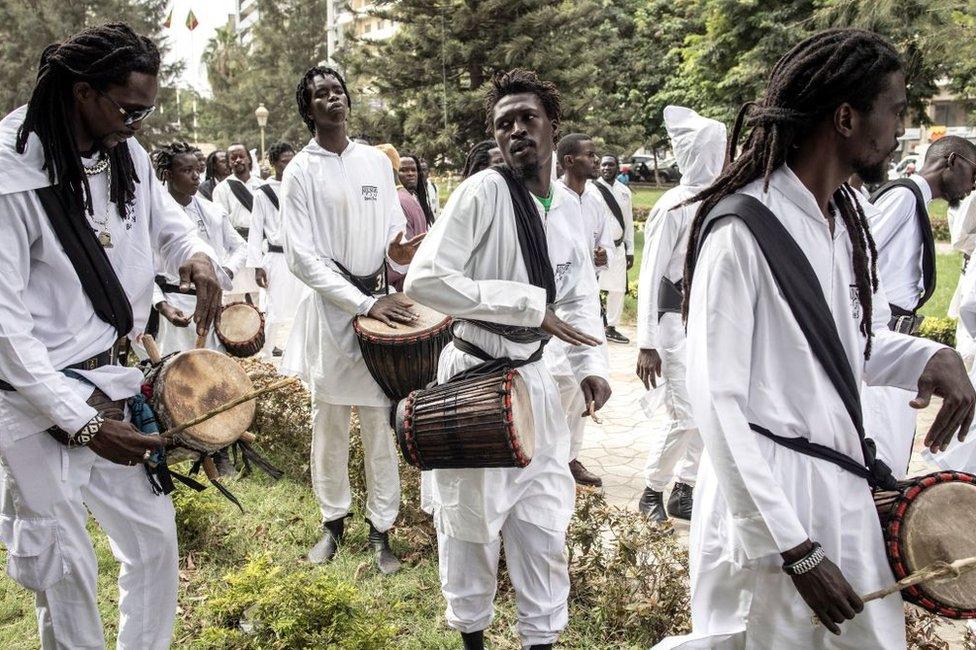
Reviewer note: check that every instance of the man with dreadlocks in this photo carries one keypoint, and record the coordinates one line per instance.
(215, 171)
(342, 226)
(483, 155)
(83, 216)
(235, 194)
(613, 280)
(412, 191)
(285, 291)
(506, 261)
(906, 267)
(785, 320)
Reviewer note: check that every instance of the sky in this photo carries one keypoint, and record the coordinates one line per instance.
(188, 46)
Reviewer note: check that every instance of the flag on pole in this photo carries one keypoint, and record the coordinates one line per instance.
(191, 21)
(169, 20)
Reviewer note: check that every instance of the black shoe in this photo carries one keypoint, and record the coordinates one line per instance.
(584, 476)
(224, 466)
(541, 646)
(652, 505)
(386, 562)
(680, 501)
(473, 640)
(277, 352)
(615, 336)
(326, 547)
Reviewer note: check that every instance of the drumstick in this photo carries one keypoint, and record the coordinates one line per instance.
(592, 413)
(169, 434)
(201, 341)
(210, 469)
(152, 351)
(248, 437)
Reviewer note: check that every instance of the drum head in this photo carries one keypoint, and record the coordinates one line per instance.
(522, 415)
(197, 381)
(937, 527)
(429, 321)
(240, 322)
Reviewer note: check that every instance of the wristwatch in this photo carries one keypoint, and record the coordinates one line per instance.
(807, 563)
(86, 434)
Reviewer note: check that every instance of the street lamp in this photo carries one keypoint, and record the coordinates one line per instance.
(261, 113)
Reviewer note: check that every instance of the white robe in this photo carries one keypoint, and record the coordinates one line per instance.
(614, 278)
(215, 228)
(341, 207)
(285, 291)
(240, 217)
(748, 361)
(470, 266)
(962, 233)
(888, 418)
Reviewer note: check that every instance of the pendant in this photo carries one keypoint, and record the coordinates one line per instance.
(105, 239)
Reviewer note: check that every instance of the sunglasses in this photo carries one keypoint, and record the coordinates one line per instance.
(130, 117)
(959, 155)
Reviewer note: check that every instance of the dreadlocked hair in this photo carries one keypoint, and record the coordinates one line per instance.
(303, 94)
(101, 56)
(518, 81)
(808, 83)
(478, 158)
(164, 157)
(277, 150)
(421, 190)
(210, 171)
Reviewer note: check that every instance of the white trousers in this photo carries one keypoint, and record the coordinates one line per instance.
(537, 564)
(676, 447)
(285, 292)
(615, 307)
(330, 462)
(45, 489)
(571, 397)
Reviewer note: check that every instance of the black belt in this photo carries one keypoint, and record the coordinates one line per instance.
(275, 248)
(243, 232)
(903, 320)
(168, 287)
(669, 297)
(108, 358)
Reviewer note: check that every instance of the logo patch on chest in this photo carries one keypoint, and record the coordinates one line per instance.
(562, 270)
(855, 302)
(370, 193)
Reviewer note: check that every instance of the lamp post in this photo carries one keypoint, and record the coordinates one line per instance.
(261, 113)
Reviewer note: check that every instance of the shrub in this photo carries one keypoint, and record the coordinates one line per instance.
(940, 330)
(940, 227)
(265, 605)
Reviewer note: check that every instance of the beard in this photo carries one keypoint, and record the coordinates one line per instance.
(954, 201)
(872, 173)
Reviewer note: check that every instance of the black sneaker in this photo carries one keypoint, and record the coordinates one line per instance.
(680, 501)
(652, 505)
(613, 335)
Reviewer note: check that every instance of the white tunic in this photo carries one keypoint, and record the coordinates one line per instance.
(213, 226)
(589, 209)
(748, 361)
(240, 217)
(46, 320)
(614, 278)
(341, 207)
(470, 265)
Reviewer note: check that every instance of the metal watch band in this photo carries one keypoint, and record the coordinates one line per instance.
(86, 434)
(807, 563)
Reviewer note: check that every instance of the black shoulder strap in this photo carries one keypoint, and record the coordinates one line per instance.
(206, 189)
(801, 289)
(925, 226)
(96, 273)
(611, 201)
(242, 193)
(531, 234)
(270, 193)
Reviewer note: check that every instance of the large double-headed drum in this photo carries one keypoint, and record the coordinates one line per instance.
(483, 421)
(241, 329)
(404, 358)
(189, 384)
(927, 520)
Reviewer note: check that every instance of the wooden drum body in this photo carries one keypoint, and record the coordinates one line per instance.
(473, 423)
(404, 359)
(930, 519)
(194, 382)
(241, 329)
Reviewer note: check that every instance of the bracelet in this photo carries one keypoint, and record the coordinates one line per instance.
(807, 563)
(86, 434)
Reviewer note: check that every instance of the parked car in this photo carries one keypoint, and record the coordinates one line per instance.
(641, 168)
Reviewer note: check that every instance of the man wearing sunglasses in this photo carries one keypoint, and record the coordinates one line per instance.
(85, 224)
(906, 269)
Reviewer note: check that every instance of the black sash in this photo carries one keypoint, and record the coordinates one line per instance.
(669, 297)
(368, 284)
(270, 193)
(618, 214)
(798, 282)
(928, 240)
(206, 189)
(242, 193)
(98, 278)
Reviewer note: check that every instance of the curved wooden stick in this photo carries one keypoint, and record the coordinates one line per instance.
(934, 571)
(168, 435)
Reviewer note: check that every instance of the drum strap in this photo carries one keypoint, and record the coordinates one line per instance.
(801, 289)
(669, 297)
(925, 228)
(368, 284)
(490, 364)
(611, 202)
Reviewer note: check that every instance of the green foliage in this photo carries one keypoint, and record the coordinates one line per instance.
(940, 330)
(290, 607)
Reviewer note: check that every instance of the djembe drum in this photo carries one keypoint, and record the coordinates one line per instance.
(241, 329)
(483, 421)
(404, 358)
(189, 384)
(930, 519)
